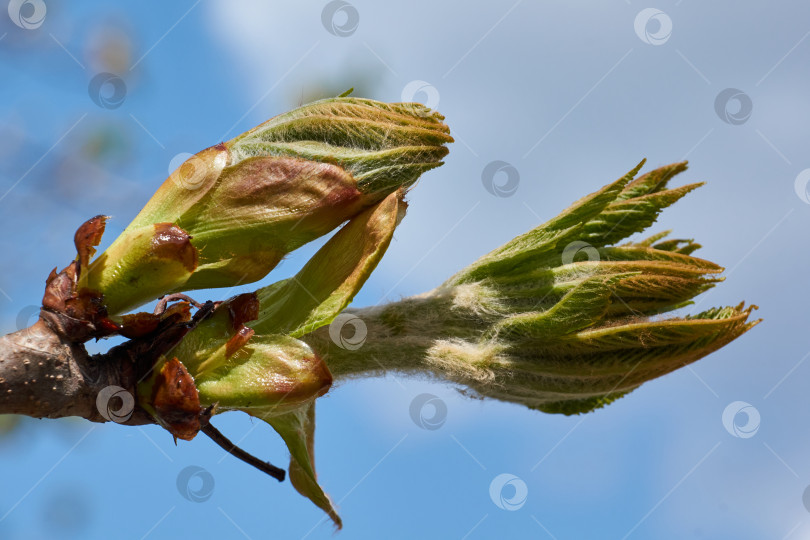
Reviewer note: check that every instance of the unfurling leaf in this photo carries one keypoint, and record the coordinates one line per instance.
(298, 431)
(329, 281)
(560, 318)
(273, 378)
(268, 377)
(246, 203)
(267, 372)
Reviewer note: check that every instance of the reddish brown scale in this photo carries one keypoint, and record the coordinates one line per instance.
(242, 309)
(172, 242)
(176, 400)
(238, 340)
(87, 237)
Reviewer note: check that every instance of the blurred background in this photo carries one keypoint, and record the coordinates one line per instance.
(98, 102)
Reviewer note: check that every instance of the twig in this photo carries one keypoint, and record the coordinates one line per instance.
(228, 446)
(164, 301)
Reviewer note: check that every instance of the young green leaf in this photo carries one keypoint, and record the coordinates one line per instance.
(559, 319)
(246, 203)
(329, 281)
(262, 369)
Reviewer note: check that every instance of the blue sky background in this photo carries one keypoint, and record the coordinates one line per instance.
(569, 94)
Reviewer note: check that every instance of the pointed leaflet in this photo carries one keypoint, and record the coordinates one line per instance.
(653, 181)
(616, 211)
(583, 306)
(522, 250)
(621, 219)
(678, 245)
(652, 281)
(650, 240)
(636, 252)
(329, 281)
(617, 365)
(275, 379)
(576, 373)
(298, 431)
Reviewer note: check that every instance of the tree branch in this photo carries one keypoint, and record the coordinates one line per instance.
(44, 376)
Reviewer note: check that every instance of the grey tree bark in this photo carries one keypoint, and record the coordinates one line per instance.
(44, 376)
